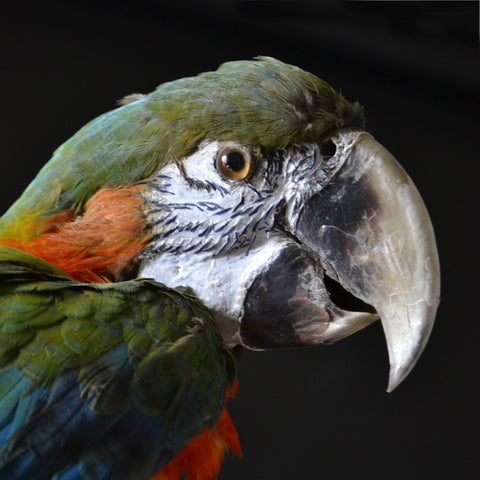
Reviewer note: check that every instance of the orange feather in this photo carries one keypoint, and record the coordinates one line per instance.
(202, 456)
(97, 245)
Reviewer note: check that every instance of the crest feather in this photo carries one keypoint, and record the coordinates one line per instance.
(261, 102)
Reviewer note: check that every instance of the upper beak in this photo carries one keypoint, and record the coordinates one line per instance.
(372, 234)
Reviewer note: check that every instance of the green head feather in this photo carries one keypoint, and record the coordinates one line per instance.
(262, 102)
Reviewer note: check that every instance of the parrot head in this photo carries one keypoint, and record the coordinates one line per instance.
(262, 195)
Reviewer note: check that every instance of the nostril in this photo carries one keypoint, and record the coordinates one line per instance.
(328, 149)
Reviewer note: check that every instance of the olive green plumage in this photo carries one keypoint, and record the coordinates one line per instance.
(260, 103)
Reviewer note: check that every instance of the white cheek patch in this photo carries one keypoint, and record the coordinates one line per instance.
(208, 237)
(201, 164)
(215, 235)
(193, 208)
(220, 282)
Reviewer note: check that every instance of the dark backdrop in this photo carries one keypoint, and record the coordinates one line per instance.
(312, 413)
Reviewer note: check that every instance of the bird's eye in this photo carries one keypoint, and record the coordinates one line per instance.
(233, 162)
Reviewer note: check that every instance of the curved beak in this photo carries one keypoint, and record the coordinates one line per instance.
(373, 235)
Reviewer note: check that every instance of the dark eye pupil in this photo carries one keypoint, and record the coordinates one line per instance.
(234, 161)
(328, 149)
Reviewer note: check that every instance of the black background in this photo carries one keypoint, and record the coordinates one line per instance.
(311, 413)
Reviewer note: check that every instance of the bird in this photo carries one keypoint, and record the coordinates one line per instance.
(217, 213)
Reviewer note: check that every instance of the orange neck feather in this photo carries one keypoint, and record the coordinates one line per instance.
(95, 246)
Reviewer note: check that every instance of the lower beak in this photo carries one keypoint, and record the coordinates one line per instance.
(372, 234)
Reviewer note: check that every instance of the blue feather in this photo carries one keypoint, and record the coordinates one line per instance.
(56, 430)
(73, 473)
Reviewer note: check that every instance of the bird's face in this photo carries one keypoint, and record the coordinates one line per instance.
(261, 237)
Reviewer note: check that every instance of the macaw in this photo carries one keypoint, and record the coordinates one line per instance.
(218, 211)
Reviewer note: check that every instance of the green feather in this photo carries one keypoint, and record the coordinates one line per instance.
(168, 341)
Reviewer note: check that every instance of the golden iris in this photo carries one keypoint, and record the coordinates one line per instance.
(233, 162)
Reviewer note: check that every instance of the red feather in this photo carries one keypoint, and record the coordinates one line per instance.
(202, 456)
